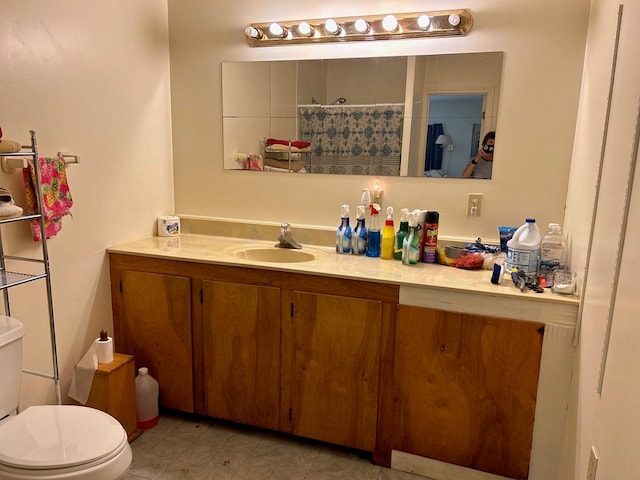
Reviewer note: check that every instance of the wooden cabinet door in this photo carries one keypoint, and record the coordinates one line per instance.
(241, 329)
(335, 355)
(465, 389)
(152, 322)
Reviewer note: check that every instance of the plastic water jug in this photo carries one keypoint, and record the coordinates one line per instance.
(553, 250)
(523, 250)
(147, 391)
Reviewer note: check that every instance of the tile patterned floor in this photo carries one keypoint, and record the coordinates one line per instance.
(195, 448)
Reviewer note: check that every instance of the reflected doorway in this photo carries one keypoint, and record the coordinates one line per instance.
(453, 132)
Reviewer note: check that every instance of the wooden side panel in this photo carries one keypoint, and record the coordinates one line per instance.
(112, 391)
(152, 321)
(197, 298)
(241, 329)
(335, 372)
(465, 389)
(286, 362)
(382, 453)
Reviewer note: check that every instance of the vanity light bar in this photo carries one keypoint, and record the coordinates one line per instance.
(367, 27)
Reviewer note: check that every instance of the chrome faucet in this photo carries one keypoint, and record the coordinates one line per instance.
(285, 239)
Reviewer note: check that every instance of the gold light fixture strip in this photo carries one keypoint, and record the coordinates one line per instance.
(366, 27)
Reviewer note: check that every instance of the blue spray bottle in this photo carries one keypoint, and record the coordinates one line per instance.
(343, 233)
(373, 245)
(360, 233)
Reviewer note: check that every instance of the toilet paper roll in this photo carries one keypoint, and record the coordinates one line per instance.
(104, 350)
(168, 226)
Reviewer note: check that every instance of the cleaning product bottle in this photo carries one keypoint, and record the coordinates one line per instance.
(388, 236)
(421, 217)
(430, 237)
(523, 250)
(147, 391)
(373, 244)
(411, 244)
(360, 233)
(402, 233)
(553, 248)
(343, 233)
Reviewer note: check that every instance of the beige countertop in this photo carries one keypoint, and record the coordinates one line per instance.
(422, 284)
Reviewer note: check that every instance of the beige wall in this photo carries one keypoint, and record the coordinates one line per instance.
(541, 79)
(91, 77)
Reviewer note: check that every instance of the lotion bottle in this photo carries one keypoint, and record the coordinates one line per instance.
(343, 233)
(388, 236)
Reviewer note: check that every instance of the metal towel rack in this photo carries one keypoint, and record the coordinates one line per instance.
(12, 163)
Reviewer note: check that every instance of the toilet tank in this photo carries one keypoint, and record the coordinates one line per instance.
(11, 333)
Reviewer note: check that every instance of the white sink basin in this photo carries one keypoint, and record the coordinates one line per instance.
(276, 254)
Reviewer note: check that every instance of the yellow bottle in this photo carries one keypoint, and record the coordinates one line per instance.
(388, 236)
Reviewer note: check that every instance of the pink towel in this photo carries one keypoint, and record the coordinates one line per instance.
(296, 143)
(56, 197)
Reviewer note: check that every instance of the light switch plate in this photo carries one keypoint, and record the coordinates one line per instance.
(474, 204)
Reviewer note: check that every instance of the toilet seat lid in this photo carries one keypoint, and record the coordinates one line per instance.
(59, 436)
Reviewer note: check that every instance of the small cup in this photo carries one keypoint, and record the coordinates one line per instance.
(564, 282)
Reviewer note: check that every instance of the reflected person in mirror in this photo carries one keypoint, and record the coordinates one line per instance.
(481, 165)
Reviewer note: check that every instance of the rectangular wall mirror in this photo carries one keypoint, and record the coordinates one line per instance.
(418, 116)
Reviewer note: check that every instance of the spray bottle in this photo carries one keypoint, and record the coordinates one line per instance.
(411, 244)
(360, 233)
(388, 236)
(373, 245)
(343, 233)
(402, 233)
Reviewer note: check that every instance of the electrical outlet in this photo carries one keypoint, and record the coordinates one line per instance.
(593, 464)
(375, 196)
(474, 204)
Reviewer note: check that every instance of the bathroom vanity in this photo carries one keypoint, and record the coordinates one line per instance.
(429, 368)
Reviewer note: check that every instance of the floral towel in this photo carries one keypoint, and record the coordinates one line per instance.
(56, 197)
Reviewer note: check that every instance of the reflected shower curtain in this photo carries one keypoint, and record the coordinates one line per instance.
(352, 139)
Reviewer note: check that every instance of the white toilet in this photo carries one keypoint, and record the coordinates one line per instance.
(53, 442)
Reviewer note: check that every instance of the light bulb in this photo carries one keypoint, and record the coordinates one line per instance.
(390, 23)
(454, 19)
(305, 29)
(424, 21)
(253, 32)
(332, 26)
(361, 25)
(277, 30)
